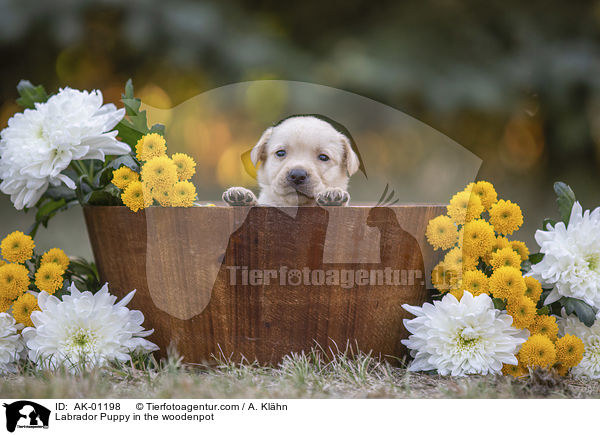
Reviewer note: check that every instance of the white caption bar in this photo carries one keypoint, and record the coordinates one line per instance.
(326, 416)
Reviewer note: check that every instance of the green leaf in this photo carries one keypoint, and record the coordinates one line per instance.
(48, 209)
(107, 196)
(82, 188)
(82, 266)
(128, 89)
(60, 192)
(83, 274)
(583, 311)
(544, 311)
(29, 94)
(126, 160)
(536, 258)
(546, 222)
(565, 198)
(104, 176)
(128, 134)
(135, 124)
(158, 128)
(488, 270)
(499, 304)
(99, 197)
(132, 104)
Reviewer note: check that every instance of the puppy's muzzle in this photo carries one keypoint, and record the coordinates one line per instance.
(297, 177)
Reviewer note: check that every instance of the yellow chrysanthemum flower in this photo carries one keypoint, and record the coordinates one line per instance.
(464, 206)
(14, 281)
(454, 258)
(163, 195)
(545, 325)
(474, 208)
(49, 277)
(150, 146)
(538, 351)
(569, 350)
(444, 278)
(506, 217)
(486, 193)
(123, 176)
(133, 196)
(17, 247)
(148, 195)
(56, 256)
(186, 166)
(469, 262)
(522, 310)
(5, 304)
(23, 307)
(160, 173)
(507, 282)
(533, 288)
(513, 370)
(500, 242)
(475, 282)
(478, 238)
(441, 233)
(520, 248)
(3, 263)
(505, 257)
(184, 194)
(461, 234)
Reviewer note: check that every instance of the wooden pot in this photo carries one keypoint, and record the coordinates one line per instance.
(223, 281)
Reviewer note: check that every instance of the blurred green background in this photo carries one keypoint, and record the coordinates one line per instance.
(515, 83)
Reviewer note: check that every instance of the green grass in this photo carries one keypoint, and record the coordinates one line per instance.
(310, 375)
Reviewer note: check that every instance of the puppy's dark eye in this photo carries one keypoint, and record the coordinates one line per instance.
(323, 157)
(280, 153)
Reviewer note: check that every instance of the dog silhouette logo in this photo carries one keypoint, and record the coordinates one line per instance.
(26, 414)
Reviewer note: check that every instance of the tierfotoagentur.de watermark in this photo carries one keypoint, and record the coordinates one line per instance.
(345, 278)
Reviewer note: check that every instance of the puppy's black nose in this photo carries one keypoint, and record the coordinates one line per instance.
(297, 176)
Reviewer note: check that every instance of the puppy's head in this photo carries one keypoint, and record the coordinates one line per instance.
(301, 157)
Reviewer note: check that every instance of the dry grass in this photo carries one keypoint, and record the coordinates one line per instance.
(298, 376)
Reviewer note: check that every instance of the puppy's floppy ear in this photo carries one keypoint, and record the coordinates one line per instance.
(352, 162)
(257, 152)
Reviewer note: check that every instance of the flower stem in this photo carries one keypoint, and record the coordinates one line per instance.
(91, 171)
(79, 168)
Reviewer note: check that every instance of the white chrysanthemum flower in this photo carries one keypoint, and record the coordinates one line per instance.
(463, 337)
(11, 344)
(39, 144)
(590, 363)
(571, 260)
(85, 330)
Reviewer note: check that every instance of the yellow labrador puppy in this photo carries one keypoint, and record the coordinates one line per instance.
(303, 161)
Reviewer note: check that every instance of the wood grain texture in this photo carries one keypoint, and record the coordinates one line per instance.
(183, 263)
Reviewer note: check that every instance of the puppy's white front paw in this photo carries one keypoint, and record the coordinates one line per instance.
(333, 197)
(239, 196)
